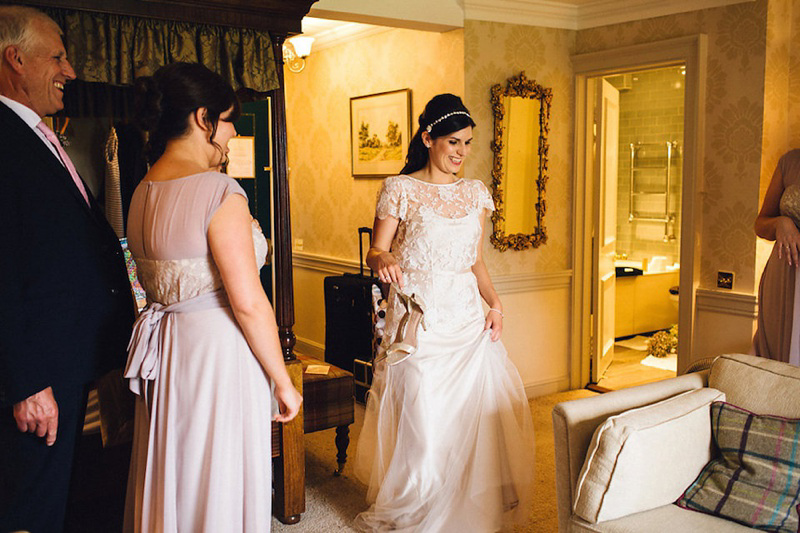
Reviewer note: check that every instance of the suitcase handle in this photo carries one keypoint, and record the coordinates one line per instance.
(361, 231)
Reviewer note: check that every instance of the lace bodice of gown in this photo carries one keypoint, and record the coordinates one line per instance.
(167, 281)
(436, 244)
(440, 225)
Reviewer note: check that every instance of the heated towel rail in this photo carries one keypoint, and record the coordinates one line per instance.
(664, 164)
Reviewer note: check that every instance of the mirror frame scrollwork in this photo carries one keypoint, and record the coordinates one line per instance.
(523, 87)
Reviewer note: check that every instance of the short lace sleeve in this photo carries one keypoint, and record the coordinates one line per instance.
(485, 200)
(392, 199)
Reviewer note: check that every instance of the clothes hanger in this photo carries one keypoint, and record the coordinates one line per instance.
(61, 130)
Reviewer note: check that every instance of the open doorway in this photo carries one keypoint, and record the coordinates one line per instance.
(669, 234)
(645, 188)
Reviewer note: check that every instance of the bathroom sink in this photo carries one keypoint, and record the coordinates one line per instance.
(624, 271)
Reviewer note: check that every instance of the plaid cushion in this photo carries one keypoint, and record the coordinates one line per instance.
(756, 478)
(276, 439)
(327, 398)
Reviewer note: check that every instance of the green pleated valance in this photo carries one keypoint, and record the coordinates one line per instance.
(116, 49)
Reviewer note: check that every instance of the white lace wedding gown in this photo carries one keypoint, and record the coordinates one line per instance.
(201, 458)
(447, 442)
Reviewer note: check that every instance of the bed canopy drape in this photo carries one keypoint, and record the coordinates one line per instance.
(116, 49)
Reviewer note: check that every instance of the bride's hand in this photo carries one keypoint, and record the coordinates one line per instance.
(388, 269)
(289, 401)
(494, 321)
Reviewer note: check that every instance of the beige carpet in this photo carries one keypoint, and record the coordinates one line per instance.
(333, 502)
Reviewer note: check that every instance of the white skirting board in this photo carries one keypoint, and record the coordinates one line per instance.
(547, 386)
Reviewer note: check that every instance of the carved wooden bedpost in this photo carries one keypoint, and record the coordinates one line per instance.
(289, 473)
(284, 293)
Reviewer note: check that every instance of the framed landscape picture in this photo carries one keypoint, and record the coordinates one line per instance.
(380, 126)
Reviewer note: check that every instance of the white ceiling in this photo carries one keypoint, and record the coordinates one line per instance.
(327, 33)
(573, 2)
(581, 14)
(568, 14)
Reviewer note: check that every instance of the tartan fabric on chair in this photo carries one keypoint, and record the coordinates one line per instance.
(327, 398)
(756, 478)
(328, 402)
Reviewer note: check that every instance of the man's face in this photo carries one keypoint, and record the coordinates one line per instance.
(46, 71)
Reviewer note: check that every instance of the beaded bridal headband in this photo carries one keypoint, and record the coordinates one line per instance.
(430, 126)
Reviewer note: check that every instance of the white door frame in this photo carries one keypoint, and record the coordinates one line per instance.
(690, 51)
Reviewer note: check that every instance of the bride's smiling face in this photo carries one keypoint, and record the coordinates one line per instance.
(447, 153)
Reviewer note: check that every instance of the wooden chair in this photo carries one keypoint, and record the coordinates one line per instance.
(329, 403)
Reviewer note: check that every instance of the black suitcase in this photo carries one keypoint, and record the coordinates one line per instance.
(349, 314)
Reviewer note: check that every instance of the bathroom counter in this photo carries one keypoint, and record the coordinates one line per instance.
(643, 303)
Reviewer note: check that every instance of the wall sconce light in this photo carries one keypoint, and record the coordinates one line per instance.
(295, 51)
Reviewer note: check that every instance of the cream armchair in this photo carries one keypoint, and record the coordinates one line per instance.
(758, 385)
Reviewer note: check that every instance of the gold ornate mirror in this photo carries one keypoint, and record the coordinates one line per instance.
(519, 173)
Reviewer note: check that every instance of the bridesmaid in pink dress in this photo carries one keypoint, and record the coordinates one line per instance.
(204, 357)
(778, 334)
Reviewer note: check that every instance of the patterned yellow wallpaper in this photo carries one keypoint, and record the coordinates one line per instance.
(776, 131)
(776, 88)
(781, 103)
(753, 61)
(735, 110)
(494, 52)
(794, 75)
(782, 77)
(328, 205)
(486, 53)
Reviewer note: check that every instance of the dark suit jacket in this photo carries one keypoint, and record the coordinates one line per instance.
(65, 305)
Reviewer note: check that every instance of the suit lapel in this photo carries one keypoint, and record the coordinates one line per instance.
(31, 144)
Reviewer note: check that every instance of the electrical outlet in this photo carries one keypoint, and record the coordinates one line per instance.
(298, 245)
(724, 280)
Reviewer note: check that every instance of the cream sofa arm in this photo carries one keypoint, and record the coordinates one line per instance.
(574, 423)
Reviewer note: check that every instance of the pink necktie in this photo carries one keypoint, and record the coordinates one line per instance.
(48, 133)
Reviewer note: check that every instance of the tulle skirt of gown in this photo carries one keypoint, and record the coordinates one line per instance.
(447, 442)
(202, 461)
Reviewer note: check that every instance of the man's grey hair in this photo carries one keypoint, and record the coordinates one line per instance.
(17, 26)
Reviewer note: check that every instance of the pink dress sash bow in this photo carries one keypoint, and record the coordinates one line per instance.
(149, 335)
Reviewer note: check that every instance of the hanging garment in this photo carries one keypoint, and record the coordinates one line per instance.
(113, 196)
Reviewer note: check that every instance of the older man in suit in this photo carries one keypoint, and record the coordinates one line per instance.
(65, 304)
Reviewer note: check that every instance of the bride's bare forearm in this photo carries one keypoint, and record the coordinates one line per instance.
(373, 257)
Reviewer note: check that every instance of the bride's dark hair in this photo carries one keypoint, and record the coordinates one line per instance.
(165, 100)
(445, 114)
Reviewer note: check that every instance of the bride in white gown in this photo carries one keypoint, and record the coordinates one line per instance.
(447, 443)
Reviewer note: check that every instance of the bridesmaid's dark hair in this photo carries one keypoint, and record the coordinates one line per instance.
(445, 114)
(165, 100)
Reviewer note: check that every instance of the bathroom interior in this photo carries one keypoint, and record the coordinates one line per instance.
(651, 109)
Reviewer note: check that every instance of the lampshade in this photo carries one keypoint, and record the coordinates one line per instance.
(302, 45)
